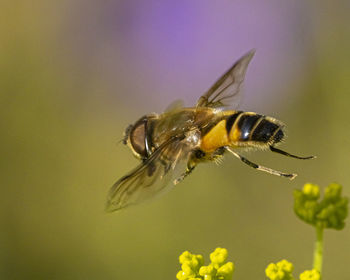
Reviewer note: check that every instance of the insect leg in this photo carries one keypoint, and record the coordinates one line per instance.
(262, 168)
(273, 149)
(190, 166)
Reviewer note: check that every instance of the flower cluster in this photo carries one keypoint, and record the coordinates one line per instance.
(310, 275)
(283, 271)
(192, 266)
(330, 212)
(280, 271)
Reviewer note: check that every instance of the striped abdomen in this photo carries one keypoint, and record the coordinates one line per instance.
(242, 129)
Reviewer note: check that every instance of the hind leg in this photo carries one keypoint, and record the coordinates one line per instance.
(262, 168)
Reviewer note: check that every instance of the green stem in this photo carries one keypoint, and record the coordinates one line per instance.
(318, 253)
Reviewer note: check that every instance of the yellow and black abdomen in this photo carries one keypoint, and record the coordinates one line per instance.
(242, 129)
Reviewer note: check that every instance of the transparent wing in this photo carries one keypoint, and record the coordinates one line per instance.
(226, 90)
(153, 176)
(175, 105)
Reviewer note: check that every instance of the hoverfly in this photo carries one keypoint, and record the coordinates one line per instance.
(171, 144)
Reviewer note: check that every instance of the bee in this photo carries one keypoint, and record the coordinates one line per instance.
(170, 145)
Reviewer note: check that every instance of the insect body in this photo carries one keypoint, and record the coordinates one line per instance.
(171, 144)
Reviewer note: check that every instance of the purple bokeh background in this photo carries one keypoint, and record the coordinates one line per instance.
(164, 50)
(76, 73)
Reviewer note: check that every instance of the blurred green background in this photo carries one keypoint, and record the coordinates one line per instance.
(74, 74)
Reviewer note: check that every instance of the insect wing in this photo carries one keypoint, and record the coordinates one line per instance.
(172, 123)
(226, 90)
(174, 106)
(152, 177)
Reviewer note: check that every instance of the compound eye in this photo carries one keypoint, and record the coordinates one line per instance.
(137, 137)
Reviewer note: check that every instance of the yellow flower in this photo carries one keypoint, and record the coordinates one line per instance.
(310, 275)
(193, 269)
(280, 271)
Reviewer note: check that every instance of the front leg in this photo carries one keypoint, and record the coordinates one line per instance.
(191, 164)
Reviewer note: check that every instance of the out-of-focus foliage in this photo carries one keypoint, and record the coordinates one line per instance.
(330, 212)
